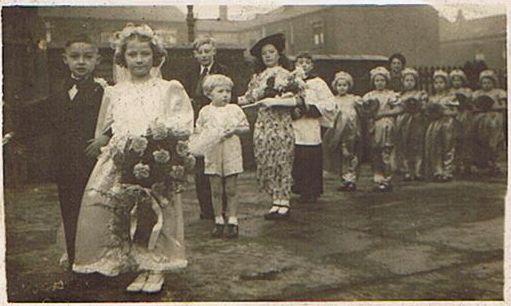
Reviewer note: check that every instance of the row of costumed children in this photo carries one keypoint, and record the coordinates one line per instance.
(421, 136)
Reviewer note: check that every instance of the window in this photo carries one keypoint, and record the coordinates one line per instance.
(318, 33)
(106, 37)
(48, 26)
(168, 36)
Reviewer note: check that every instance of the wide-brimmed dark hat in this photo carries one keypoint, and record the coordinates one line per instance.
(277, 40)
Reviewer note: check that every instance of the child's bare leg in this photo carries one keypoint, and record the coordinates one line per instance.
(231, 212)
(217, 189)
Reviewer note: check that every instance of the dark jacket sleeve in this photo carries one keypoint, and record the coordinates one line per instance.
(312, 112)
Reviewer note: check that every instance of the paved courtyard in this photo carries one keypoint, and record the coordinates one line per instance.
(425, 241)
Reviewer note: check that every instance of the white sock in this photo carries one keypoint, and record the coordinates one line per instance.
(233, 220)
(283, 210)
(219, 220)
(274, 208)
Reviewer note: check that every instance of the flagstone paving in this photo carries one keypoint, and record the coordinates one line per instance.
(424, 241)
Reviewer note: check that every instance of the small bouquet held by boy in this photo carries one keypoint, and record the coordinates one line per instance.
(275, 82)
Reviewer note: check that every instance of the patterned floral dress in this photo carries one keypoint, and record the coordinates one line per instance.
(274, 140)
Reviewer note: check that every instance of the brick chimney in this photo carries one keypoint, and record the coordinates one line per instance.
(222, 12)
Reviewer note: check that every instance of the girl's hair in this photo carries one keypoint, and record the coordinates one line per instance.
(441, 74)
(399, 56)
(215, 80)
(304, 54)
(412, 72)
(284, 62)
(144, 34)
(380, 71)
(490, 74)
(458, 73)
(341, 75)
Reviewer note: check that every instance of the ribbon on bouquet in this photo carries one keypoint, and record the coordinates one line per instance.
(157, 202)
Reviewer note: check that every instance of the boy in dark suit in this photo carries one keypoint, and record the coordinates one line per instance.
(204, 53)
(70, 113)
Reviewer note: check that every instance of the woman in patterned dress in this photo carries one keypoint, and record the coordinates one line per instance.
(273, 134)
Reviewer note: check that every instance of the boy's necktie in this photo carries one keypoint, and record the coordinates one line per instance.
(74, 86)
(198, 89)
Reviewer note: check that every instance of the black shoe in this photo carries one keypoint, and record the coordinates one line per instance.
(348, 187)
(276, 216)
(218, 231)
(271, 215)
(439, 179)
(232, 231)
(382, 188)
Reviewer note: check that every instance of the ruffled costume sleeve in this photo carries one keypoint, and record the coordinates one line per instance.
(105, 118)
(178, 111)
(319, 95)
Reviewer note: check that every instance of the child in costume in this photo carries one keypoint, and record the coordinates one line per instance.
(223, 161)
(307, 121)
(464, 120)
(440, 145)
(384, 107)
(411, 126)
(489, 118)
(123, 227)
(341, 141)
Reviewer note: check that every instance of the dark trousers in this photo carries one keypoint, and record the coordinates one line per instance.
(70, 198)
(308, 170)
(203, 190)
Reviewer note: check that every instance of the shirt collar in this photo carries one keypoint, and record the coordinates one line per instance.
(209, 67)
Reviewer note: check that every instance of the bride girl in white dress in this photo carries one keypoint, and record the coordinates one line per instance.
(107, 239)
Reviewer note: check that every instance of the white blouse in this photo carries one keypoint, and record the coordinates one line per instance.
(308, 130)
(129, 108)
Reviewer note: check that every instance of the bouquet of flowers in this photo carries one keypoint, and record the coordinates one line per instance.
(274, 82)
(434, 111)
(205, 141)
(464, 101)
(369, 107)
(157, 162)
(412, 105)
(484, 103)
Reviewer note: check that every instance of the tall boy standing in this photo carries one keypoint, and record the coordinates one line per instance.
(204, 53)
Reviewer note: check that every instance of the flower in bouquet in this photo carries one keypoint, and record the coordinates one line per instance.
(159, 188)
(412, 105)
(293, 82)
(158, 131)
(182, 149)
(161, 156)
(464, 101)
(139, 144)
(484, 103)
(189, 162)
(177, 172)
(141, 171)
(370, 106)
(434, 111)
